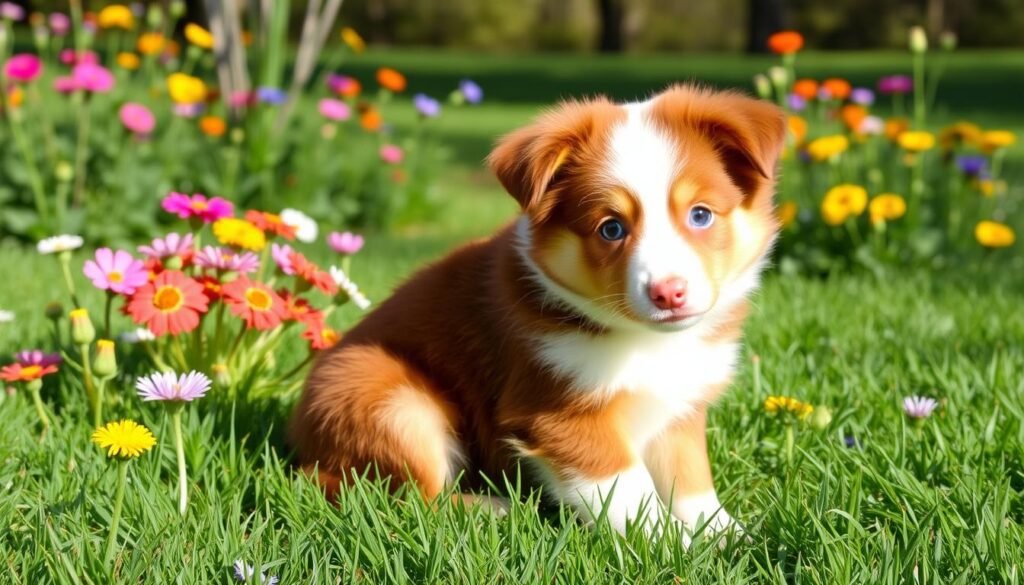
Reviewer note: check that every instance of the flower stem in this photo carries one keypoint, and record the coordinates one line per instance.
(919, 91)
(790, 440)
(65, 266)
(87, 380)
(115, 517)
(106, 315)
(40, 408)
(97, 413)
(81, 150)
(179, 447)
(34, 178)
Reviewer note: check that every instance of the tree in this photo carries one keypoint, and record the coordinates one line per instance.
(610, 15)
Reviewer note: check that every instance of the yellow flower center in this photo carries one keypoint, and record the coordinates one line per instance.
(168, 299)
(31, 372)
(115, 276)
(199, 206)
(258, 299)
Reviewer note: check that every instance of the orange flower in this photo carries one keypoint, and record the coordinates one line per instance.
(371, 120)
(129, 61)
(256, 303)
(172, 304)
(151, 43)
(786, 42)
(896, 126)
(852, 115)
(837, 88)
(320, 336)
(787, 214)
(26, 372)
(798, 128)
(806, 88)
(312, 274)
(350, 88)
(213, 126)
(270, 222)
(390, 79)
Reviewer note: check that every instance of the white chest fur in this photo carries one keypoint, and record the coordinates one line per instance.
(671, 373)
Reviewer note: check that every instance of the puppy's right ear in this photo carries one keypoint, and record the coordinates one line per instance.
(529, 161)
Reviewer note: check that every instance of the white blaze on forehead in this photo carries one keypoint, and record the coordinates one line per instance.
(647, 161)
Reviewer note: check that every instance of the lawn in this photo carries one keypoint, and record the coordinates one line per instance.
(870, 498)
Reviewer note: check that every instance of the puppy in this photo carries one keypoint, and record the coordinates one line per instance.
(588, 337)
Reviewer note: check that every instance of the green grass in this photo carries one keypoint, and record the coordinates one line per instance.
(943, 498)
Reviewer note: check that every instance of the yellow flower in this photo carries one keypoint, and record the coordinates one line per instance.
(787, 213)
(994, 139)
(232, 231)
(959, 133)
(916, 140)
(887, 207)
(151, 43)
(129, 61)
(843, 201)
(350, 37)
(993, 234)
(125, 439)
(784, 404)
(827, 147)
(198, 36)
(185, 89)
(116, 16)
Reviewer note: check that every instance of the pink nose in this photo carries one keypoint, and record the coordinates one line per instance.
(668, 294)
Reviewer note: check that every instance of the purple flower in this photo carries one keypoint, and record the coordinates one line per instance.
(271, 95)
(226, 260)
(427, 106)
(167, 386)
(851, 442)
(35, 357)
(345, 243)
(282, 255)
(117, 272)
(473, 93)
(894, 84)
(919, 407)
(11, 11)
(862, 96)
(170, 245)
(797, 103)
(334, 110)
(972, 165)
(60, 24)
(247, 574)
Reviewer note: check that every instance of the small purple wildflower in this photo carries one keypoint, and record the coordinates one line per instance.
(919, 407)
(35, 357)
(170, 245)
(246, 573)
(797, 103)
(895, 84)
(271, 95)
(167, 386)
(851, 442)
(972, 165)
(473, 93)
(862, 96)
(427, 106)
(226, 260)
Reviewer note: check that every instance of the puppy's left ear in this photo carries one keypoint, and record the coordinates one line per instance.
(749, 135)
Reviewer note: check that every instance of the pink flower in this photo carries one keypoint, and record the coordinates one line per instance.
(335, 110)
(35, 357)
(227, 260)
(60, 24)
(282, 255)
(391, 154)
(65, 84)
(137, 118)
(11, 11)
(208, 210)
(242, 99)
(70, 57)
(23, 67)
(170, 245)
(117, 272)
(92, 78)
(188, 110)
(169, 387)
(345, 243)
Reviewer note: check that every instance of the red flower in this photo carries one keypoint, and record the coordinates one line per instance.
(320, 335)
(312, 274)
(785, 42)
(298, 308)
(270, 223)
(26, 372)
(256, 303)
(212, 288)
(170, 304)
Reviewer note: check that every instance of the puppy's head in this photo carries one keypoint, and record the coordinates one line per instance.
(650, 214)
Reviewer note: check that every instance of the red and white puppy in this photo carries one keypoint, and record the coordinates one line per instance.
(589, 337)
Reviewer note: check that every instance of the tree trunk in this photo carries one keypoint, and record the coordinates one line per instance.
(764, 18)
(610, 14)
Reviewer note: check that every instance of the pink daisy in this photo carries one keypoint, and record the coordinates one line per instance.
(167, 386)
(208, 210)
(117, 271)
(345, 243)
(227, 260)
(170, 245)
(282, 255)
(137, 118)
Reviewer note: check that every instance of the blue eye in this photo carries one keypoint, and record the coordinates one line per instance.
(612, 230)
(701, 217)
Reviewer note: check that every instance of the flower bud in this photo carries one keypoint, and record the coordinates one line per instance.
(762, 86)
(154, 17)
(821, 417)
(456, 98)
(82, 331)
(948, 40)
(104, 365)
(64, 172)
(220, 374)
(177, 9)
(237, 135)
(778, 76)
(173, 263)
(54, 311)
(918, 40)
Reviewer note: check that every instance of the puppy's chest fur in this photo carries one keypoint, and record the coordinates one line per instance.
(663, 376)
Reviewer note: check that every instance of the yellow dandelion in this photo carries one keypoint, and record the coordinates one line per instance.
(350, 37)
(198, 36)
(232, 231)
(993, 234)
(125, 439)
(785, 405)
(886, 207)
(116, 16)
(995, 139)
(828, 147)
(843, 201)
(916, 140)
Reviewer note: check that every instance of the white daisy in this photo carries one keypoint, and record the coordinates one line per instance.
(6, 316)
(306, 229)
(138, 335)
(350, 288)
(61, 243)
(247, 573)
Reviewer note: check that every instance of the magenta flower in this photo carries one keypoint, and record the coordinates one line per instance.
(345, 243)
(11, 11)
(72, 57)
(65, 84)
(919, 407)
(226, 260)
(282, 255)
(92, 77)
(391, 154)
(60, 24)
(137, 118)
(341, 84)
(895, 84)
(862, 96)
(208, 210)
(242, 99)
(23, 67)
(334, 110)
(170, 245)
(35, 357)
(168, 387)
(117, 272)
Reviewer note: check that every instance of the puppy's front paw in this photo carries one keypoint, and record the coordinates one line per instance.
(703, 514)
